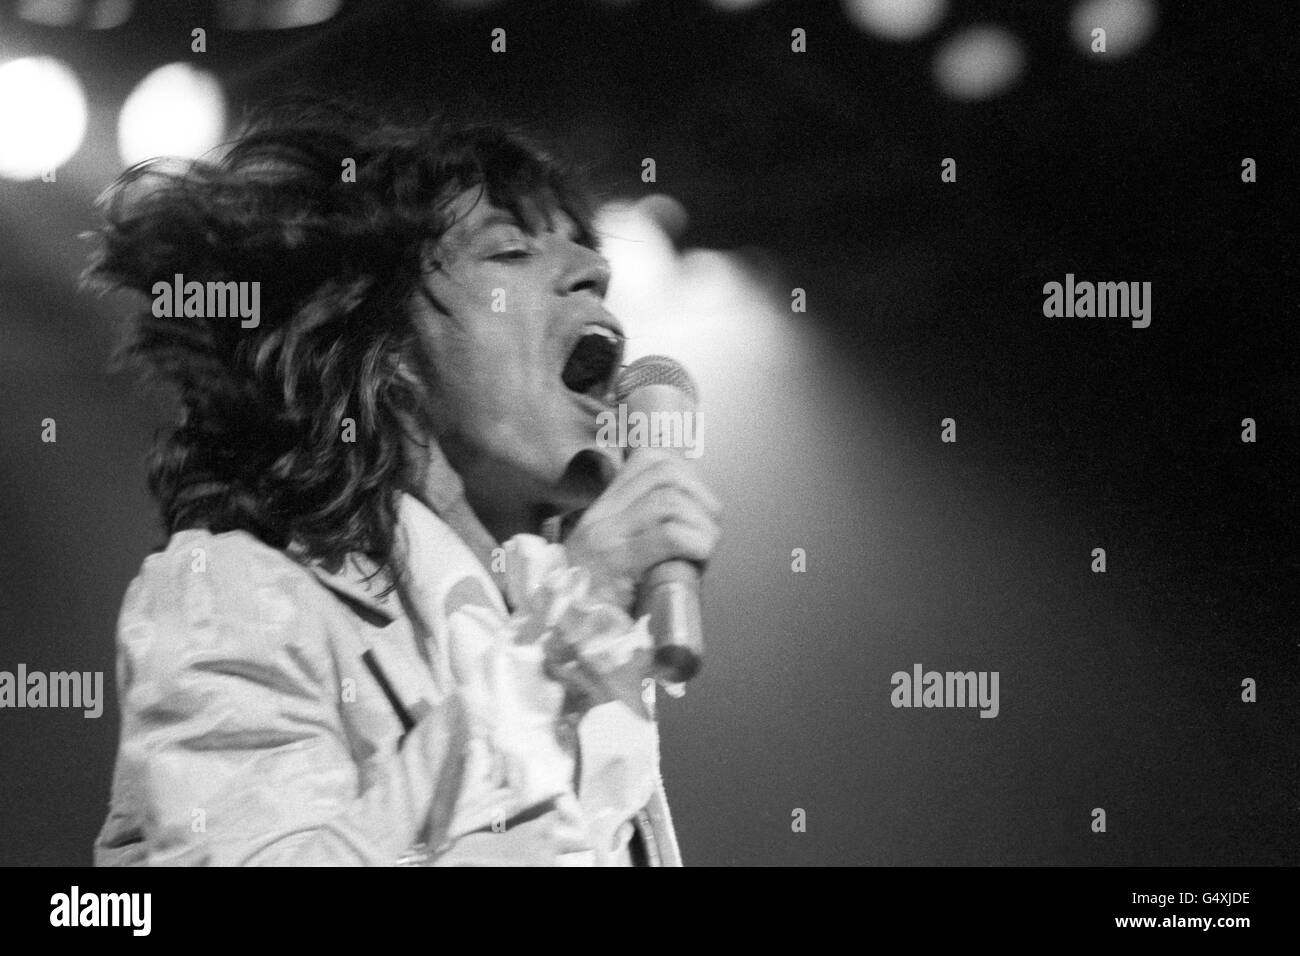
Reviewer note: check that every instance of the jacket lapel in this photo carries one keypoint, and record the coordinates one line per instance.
(389, 646)
(360, 581)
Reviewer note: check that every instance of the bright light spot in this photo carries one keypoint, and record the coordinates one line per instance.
(979, 63)
(50, 13)
(42, 116)
(95, 14)
(896, 19)
(176, 110)
(666, 212)
(703, 307)
(1128, 24)
(276, 14)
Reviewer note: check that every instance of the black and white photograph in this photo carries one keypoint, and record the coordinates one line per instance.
(651, 433)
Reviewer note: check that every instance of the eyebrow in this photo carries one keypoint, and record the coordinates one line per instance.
(502, 217)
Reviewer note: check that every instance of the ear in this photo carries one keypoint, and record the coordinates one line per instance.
(432, 259)
(430, 255)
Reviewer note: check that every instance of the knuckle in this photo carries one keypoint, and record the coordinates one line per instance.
(682, 538)
(667, 502)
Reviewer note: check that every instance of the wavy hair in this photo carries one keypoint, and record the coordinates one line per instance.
(258, 445)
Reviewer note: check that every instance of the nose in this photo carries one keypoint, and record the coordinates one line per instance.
(588, 272)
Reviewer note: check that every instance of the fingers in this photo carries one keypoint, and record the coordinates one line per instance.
(657, 509)
(672, 511)
(669, 522)
(677, 539)
(648, 472)
(666, 470)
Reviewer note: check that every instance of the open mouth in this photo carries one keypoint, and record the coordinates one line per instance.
(594, 362)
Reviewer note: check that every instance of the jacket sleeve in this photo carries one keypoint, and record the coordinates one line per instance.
(233, 750)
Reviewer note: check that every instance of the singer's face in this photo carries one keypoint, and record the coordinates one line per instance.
(522, 353)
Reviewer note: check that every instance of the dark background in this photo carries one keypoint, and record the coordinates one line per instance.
(821, 171)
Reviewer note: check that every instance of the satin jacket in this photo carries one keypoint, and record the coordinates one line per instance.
(275, 712)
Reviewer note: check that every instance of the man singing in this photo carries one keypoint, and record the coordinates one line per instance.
(359, 645)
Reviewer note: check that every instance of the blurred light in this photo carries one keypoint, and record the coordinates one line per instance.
(95, 14)
(108, 14)
(666, 213)
(704, 307)
(42, 116)
(896, 19)
(1128, 24)
(979, 63)
(176, 110)
(275, 14)
(51, 13)
(735, 6)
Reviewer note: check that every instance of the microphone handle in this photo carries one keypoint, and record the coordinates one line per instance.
(670, 594)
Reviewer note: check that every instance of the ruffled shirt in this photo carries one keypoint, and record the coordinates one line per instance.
(593, 770)
(276, 712)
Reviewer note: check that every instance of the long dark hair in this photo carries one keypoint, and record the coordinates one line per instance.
(259, 445)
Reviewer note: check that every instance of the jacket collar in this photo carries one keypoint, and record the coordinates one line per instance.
(361, 581)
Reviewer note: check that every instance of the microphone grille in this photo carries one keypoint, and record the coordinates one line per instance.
(655, 370)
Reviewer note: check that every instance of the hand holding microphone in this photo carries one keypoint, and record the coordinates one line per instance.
(646, 538)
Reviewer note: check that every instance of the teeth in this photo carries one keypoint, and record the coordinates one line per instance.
(591, 328)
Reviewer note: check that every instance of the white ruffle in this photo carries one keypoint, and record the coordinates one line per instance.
(521, 754)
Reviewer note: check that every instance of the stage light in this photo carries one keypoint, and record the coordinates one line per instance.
(107, 14)
(708, 308)
(176, 110)
(1128, 24)
(275, 14)
(896, 19)
(95, 14)
(979, 63)
(42, 116)
(51, 13)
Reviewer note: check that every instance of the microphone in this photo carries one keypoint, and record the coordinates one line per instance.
(657, 391)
